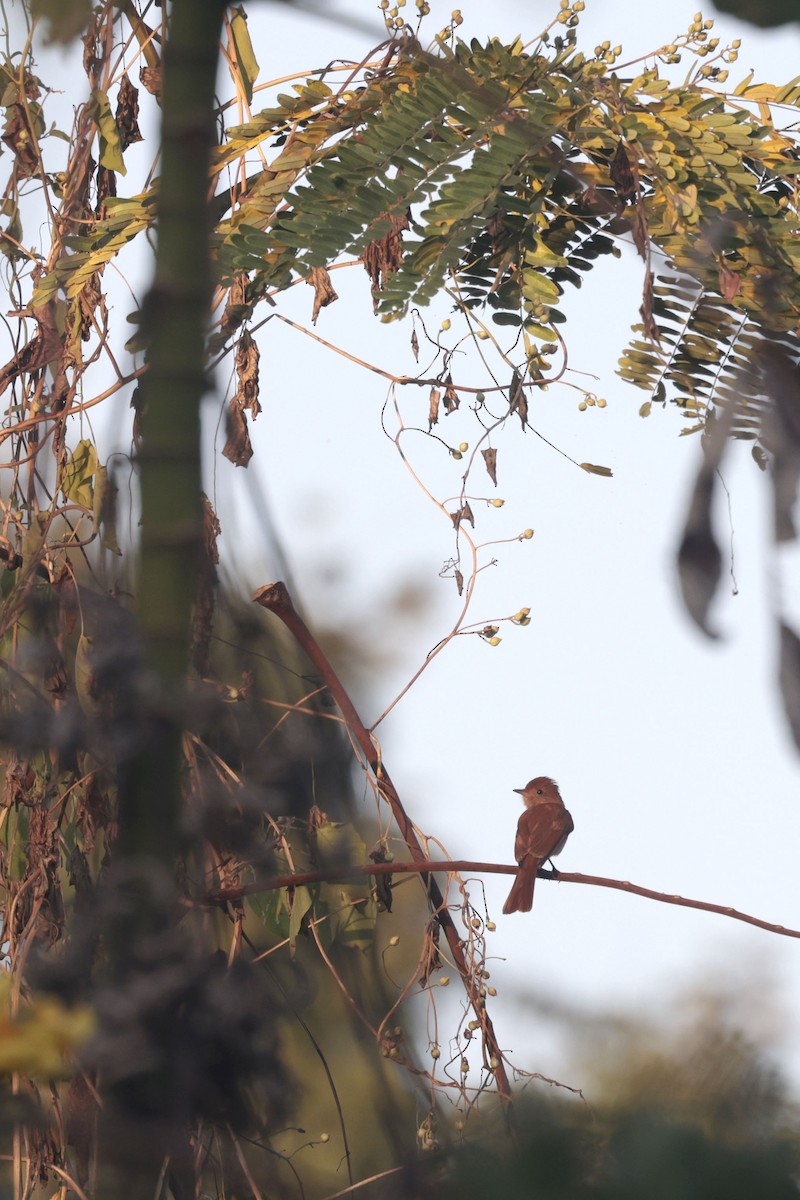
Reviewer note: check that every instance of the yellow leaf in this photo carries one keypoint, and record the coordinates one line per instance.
(595, 470)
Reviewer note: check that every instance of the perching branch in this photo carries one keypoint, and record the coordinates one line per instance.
(465, 867)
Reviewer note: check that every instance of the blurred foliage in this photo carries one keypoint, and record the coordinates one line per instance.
(767, 13)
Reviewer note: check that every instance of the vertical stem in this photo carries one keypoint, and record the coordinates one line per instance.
(175, 318)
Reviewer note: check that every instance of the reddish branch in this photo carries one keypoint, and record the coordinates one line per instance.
(464, 867)
(275, 597)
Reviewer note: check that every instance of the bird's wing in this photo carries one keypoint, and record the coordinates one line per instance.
(542, 831)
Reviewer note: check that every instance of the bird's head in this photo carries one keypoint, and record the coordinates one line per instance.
(539, 790)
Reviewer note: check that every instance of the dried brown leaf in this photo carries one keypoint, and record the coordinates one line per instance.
(384, 255)
(646, 310)
(43, 348)
(490, 461)
(105, 185)
(459, 582)
(17, 136)
(151, 80)
(622, 175)
(236, 306)
(517, 400)
(729, 281)
(415, 345)
(247, 359)
(451, 397)
(238, 447)
(324, 291)
(127, 115)
(464, 514)
(433, 408)
(639, 229)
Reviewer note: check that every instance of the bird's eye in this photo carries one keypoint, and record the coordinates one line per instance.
(539, 792)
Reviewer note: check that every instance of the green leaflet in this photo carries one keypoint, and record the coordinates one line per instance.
(243, 52)
(78, 484)
(108, 135)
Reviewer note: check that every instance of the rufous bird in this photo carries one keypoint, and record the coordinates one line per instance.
(542, 831)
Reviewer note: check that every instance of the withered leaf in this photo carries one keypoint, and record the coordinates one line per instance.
(517, 400)
(646, 310)
(464, 514)
(324, 292)
(104, 507)
(415, 345)
(106, 185)
(699, 557)
(17, 137)
(639, 229)
(729, 281)
(247, 359)
(490, 461)
(45, 346)
(459, 582)
(127, 115)
(451, 398)
(433, 408)
(151, 80)
(236, 306)
(18, 782)
(621, 174)
(92, 305)
(380, 853)
(238, 447)
(789, 676)
(594, 469)
(384, 255)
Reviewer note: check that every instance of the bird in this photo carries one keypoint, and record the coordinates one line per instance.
(542, 831)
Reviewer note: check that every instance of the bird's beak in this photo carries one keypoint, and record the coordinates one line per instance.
(519, 791)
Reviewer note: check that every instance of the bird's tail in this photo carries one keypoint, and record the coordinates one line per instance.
(520, 898)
